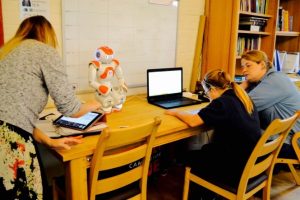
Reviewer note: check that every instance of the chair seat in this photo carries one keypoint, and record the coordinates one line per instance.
(251, 185)
(123, 193)
(126, 192)
(253, 182)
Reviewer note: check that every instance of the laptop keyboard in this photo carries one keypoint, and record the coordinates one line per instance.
(177, 102)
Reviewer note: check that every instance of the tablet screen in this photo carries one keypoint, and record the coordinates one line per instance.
(80, 123)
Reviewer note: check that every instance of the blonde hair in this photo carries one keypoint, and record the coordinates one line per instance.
(35, 27)
(220, 79)
(258, 57)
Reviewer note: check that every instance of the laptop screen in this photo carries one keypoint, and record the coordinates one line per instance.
(164, 81)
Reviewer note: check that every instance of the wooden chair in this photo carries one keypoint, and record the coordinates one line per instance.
(290, 161)
(116, 149)
(257, 173)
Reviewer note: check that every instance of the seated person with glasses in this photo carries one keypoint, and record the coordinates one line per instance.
(235, 121)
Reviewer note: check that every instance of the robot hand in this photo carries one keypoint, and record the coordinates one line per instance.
(124, 87)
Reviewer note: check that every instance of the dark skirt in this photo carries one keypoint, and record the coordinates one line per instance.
(20, 174)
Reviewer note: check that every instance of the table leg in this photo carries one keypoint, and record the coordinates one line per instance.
(76, 179)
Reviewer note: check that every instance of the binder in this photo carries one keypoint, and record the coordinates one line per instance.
(291, 62)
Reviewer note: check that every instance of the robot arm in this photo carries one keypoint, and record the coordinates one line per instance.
(119, 74)
(93, 74)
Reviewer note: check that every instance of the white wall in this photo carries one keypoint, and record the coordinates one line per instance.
(188, 20)
(11, 18)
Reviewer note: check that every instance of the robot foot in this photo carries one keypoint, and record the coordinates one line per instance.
(117, 107)
(107, 110)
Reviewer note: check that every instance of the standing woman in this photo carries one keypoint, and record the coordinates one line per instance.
(30, 70)
(235, 121)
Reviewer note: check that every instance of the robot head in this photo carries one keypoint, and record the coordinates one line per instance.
(104, 54)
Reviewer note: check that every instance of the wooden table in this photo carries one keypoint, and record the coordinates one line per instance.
(135, 110)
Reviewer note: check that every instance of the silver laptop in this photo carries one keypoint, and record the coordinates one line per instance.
(164, 88)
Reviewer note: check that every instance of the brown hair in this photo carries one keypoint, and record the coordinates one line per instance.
(220, 79)
(35, 27)
(258, 57)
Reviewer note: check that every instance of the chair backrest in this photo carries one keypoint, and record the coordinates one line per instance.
(295, 144)
(120, 147)
(262, 160)
(291, 161)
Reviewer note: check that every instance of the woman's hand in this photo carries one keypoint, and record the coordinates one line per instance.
(190, 119)
(244, 84)
(59, 143)
(171, 112)
(65, 143)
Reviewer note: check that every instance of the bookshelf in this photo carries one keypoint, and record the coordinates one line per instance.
(289, 40)
(223, 31)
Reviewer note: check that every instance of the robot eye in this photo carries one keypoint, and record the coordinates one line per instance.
(98, 55)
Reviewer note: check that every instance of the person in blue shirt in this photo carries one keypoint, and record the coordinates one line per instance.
(235, 121)
(272, 92)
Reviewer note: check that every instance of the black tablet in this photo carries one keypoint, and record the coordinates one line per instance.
(81, 123)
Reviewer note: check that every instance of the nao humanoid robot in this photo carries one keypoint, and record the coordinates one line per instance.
(106, 76)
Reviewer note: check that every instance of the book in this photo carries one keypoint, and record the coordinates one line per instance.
(247, 43)
(291, 21)
(280, 20)
(252, 23)
(239, 78)
(285, 15)
(250, 27)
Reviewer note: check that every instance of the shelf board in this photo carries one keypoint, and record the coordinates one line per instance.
(254, 32)
(255, 14)
(287, 33)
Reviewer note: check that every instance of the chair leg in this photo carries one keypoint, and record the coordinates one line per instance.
(265, 194)
(294, 173)
(186, 183)
(267, 189)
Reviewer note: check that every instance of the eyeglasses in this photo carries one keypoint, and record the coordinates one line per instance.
(206, 87)
(206, 92)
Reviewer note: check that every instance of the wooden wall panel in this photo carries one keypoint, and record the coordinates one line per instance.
(1, 26)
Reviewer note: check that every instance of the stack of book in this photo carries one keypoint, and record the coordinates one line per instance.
(250, 23)
(246, 43)
(255, 6)
(285, 22)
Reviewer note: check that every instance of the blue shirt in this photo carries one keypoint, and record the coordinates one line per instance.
(276, 96)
